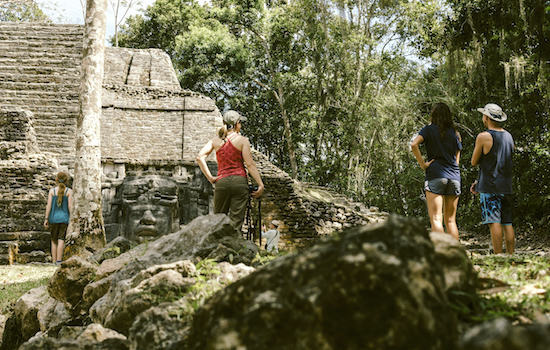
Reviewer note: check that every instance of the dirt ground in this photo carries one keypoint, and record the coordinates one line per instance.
(530, 242)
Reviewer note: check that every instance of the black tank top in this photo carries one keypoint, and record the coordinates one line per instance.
(495, 175)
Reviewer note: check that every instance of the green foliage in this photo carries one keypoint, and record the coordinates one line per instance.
(205, 286)
(27, 11)
(498, 52)
(339, 89)
(263, 257)
(160, 25)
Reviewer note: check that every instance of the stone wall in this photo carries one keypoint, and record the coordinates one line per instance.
(146, 115)
(132, 67)
(143, 123)
(40, 71)
(26, 175)
(305, 211)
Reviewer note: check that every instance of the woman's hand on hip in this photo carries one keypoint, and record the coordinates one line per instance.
(427, 164)
(213, 179)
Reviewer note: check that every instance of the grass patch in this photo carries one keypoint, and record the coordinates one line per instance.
(16, 280)
(516, 287)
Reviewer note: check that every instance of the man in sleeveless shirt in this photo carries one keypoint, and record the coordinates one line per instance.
(493, 153)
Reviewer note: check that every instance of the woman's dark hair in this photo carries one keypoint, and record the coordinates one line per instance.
(441, 116)
(61, 179)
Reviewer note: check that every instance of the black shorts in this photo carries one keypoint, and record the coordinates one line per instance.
(58, 231)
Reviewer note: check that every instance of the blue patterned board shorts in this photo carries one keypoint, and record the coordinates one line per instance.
(496, 208)
(443, 186)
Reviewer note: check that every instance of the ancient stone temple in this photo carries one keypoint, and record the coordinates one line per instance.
(151, 132)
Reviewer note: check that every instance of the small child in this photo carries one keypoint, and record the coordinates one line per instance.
(58, 211)
(272, 236)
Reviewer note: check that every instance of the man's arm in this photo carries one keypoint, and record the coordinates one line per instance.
(269, 234)
(484, 142)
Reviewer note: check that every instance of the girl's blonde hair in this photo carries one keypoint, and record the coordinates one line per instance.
(61, 179)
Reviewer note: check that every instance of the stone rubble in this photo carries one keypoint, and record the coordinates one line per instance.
(355, 291)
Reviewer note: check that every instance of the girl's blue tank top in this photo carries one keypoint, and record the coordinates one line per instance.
(59, 214)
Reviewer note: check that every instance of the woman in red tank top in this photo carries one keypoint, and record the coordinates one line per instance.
(231, 184)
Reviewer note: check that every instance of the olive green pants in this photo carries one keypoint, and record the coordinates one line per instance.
(231, 197)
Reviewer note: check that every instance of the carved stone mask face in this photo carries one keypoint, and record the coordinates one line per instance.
(149, 204)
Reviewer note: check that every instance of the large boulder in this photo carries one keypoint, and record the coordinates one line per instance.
(68, 283)
(23, 323)
(460, 276)
(129, 297)
(58, 344)
(459, 273)
(95, 290)
(26, 310)
(371, 288)
(500, 334)
(206, 237)
(52, 315)
(155, 329)
(167, 285)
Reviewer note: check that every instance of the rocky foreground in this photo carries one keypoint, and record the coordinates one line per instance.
(389, 286)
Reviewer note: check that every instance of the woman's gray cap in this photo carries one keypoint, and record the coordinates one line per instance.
(494, 112)
(233, 117)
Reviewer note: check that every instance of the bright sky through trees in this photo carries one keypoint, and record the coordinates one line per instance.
(70, 11)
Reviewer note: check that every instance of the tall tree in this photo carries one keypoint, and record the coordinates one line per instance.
(86, 230)
(120, 9)
(334, 74)
(498, 52)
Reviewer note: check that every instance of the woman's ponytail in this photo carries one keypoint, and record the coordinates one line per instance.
(61, 179)
(222, 133)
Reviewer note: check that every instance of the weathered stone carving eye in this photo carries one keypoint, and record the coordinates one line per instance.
(130, 197)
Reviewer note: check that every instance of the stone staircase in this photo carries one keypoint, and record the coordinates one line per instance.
(26, 175)
(40, 72)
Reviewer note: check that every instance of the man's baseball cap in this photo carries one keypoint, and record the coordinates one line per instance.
(233, 117)
(494, 112)
(275, 223)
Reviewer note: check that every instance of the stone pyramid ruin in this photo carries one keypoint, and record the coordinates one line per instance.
(151, 132)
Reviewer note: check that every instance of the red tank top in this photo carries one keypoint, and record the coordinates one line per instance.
(230, 161)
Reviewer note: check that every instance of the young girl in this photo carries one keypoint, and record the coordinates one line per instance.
(58, 211)
(442, 182)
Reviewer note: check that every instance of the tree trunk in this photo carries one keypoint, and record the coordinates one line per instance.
(86, 232)
(288, 136)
